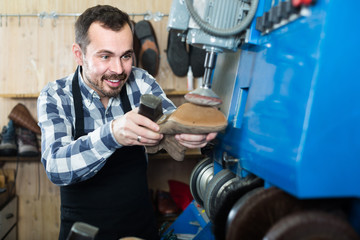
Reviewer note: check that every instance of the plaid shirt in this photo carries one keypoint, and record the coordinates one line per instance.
(67, 161)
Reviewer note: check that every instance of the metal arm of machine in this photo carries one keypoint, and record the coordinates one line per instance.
(204, 95)
(210, 60)
(218, 28)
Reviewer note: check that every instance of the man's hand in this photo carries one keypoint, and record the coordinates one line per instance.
(135, 129)
(194, 140)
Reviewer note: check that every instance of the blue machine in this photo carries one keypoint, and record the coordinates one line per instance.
(290, 94)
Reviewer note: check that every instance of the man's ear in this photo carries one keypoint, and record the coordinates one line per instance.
(78, 54)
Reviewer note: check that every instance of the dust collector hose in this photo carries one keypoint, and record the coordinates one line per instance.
(223, 32)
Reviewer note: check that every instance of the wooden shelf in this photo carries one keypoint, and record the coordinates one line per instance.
(172, 92)
(168, 92)
(21, 159)
(189, 154)
(19, 95)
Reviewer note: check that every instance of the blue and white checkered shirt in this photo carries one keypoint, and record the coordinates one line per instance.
(67, 161)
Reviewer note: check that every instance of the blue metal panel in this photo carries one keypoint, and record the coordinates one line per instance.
(300, 126)
(192, 223)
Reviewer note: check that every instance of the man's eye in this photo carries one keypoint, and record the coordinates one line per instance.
(105, 57)
(127, 56)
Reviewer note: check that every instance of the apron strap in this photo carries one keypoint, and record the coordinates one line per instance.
(79, 111)
(125, 99)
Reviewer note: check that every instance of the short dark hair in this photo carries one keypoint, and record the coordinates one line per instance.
(108, 16)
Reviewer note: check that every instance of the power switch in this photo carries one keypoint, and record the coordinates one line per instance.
(298, 3)
(286, 9)
(275, 14)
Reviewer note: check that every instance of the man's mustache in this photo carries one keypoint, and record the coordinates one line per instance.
(114, 77)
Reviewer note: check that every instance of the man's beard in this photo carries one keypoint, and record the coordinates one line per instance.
(98, 86)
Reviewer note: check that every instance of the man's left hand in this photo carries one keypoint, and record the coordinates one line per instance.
(194, 140)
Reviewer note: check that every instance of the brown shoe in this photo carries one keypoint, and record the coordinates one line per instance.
(188, 118)
(193, 118)
(23, 118)
(166, 205)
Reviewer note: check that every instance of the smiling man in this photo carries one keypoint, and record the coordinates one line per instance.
(93, 137)
(104, 54)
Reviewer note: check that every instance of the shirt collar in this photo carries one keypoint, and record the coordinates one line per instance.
(90, 94)
(87, 92)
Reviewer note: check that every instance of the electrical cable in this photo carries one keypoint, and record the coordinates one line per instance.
(219, 31)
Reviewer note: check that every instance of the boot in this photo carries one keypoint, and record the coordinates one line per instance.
(27, 143)
(8, 143)
(166, 205)
(23, 118)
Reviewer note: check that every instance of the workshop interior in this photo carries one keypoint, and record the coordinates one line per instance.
(283, 73)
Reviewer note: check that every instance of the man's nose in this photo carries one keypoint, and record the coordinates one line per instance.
(117, 66)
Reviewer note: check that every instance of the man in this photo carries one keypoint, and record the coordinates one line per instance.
(93, 137)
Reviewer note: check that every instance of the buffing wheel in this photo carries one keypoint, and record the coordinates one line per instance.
(253, 214)
(311, 225)
(200, 177)
(226, 198)
(216, 188)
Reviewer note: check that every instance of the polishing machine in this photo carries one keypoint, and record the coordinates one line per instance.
(285, 74)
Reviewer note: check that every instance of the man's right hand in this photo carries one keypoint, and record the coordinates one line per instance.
(135, 129)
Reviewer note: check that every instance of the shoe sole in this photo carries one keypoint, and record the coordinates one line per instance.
(149, 52)
(29, 154)
(8, 152)
(197, 60)
(177, 55)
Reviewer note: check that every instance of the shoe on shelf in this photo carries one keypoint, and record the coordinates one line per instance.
(27, 142)
(23, 118)
(8, 142)
(149, 55)
(166, 205)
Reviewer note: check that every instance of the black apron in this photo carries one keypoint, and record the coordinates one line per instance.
(116, 199)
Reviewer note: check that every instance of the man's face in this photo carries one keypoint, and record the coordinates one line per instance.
(107, 62)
